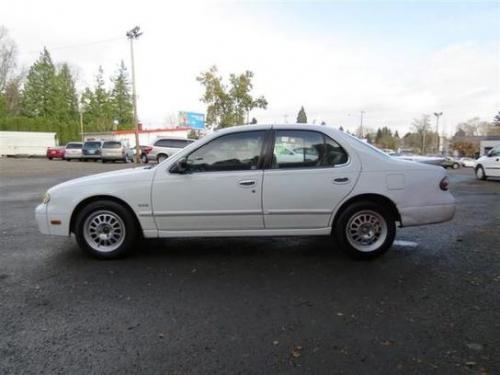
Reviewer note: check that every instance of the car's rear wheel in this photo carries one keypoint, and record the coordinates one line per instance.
(456, 166)
(161, 157)
(105, 229)
(480, 175)
(365, 230)
(144, 159)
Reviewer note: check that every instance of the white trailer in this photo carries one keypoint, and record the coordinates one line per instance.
(14, 143)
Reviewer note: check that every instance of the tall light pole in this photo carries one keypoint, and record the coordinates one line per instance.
(361, 124)
(132, 35)
(437, 114)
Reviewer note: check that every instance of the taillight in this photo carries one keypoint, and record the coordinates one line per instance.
(444, 184)
(147, 150)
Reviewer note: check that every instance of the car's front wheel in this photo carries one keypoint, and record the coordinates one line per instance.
(105, 229)
(456, 166)
(480, 175)
(365, 230)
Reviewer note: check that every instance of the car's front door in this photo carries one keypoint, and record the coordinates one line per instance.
(310, 174)
(492, 163)
(220, 190)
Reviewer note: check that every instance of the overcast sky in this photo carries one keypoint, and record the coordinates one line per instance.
(393, 60)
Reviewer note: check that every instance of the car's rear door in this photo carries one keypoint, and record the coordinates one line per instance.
(221, 189)
(301, 192)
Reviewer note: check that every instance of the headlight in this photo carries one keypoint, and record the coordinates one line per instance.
(46, 198)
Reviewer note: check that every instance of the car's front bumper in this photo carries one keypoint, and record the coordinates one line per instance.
(411, 216)
(42, 219)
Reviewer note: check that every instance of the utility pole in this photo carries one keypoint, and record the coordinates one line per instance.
(132, 35)
(81, 124)
(437, 114)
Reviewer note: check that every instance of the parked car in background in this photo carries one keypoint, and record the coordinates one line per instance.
(116, 151)
(467, 162)
(144, 151)
(165, 147)
(450, 162)
(91, 150)
(73, 150)
(235, 183)
(55, 153)
(488, 165)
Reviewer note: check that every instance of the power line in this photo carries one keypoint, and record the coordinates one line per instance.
(76, 45)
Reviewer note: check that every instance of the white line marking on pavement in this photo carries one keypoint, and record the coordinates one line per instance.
(405, 243)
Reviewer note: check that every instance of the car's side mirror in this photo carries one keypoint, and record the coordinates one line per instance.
(490, 153)
(181, 166)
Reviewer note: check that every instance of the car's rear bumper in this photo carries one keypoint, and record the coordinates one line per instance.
(411, 216)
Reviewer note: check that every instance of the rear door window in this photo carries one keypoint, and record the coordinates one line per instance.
(111, 145)
(306, 149)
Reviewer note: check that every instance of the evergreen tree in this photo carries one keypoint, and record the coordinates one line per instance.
(496, 119)
(302, 117)
(66, 101)
(40, 88)
(121, 98)
(97, 106)
(254, 121)
(396, 135)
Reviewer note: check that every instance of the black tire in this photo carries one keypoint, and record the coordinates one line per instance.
(144, 159)
(161, 158)
(357, 211)
(104, 161)
(480, 174)
(68, 159)
(456, 165)
(50, 158)
(102, 206)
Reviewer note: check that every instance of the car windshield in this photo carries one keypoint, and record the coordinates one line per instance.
(92, 145)
(111, 145)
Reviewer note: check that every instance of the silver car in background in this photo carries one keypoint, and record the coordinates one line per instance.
(165, 147)
(116, 150)
(73, 150)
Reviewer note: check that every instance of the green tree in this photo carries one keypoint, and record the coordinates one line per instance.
(496, 119)
(96, 106)
(121, 98)
(65, 98)
(254, 121)
(301, 116)
(40, 88)
(228, 105)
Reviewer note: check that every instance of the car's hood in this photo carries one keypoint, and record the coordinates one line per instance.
(130, 175)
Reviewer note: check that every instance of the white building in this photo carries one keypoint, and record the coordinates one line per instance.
(146, 136)
(14, 143)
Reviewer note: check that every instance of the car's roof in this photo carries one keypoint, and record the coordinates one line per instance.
(238, 128)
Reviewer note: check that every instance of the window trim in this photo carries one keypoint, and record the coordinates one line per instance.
(262, 155)
(270, 151)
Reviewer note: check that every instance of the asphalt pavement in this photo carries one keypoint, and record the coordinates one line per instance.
(431, 305)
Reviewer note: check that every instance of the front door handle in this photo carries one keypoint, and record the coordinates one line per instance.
(341, 180)
(247, 183)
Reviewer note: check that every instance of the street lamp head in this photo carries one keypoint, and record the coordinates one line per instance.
(134, 33)
(437, 114)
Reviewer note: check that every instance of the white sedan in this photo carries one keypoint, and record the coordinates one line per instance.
(234, 183)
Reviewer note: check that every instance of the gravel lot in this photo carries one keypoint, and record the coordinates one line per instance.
(257, 306)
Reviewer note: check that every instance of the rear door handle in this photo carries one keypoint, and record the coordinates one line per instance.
(247, 183)
(341, 180)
